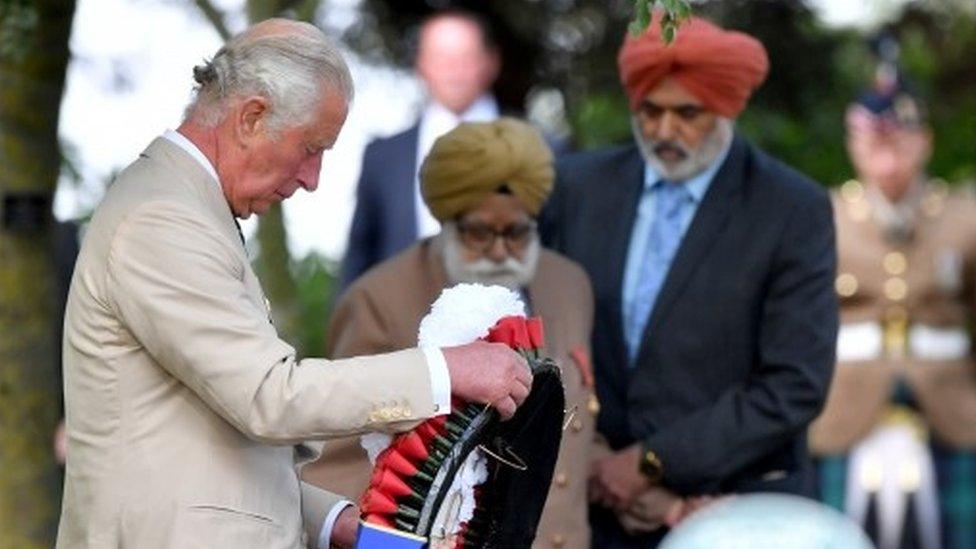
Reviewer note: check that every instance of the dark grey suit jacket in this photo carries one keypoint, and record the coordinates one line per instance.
(738, 352)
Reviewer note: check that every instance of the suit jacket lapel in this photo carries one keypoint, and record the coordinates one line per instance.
(408, 169)
(709, 220)
(623, 190)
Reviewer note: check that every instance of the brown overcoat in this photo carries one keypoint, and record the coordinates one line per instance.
(382, 310)
(924, 283)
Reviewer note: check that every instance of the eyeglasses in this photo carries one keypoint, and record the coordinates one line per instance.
(479, 237)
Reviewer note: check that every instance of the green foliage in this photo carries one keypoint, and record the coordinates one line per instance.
(937, 44)
(603, 118)
(675, 11)
(301, 316)
(642, 16)
(17, 19)
(317, 284)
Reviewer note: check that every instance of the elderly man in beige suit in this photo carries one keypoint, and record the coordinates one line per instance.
(184, 408)
(485, 182)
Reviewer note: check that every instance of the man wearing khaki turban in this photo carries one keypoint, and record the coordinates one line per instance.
(712, 265)
(485, 183)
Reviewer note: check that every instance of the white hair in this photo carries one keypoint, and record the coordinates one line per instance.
(288, 62)
(511, 273)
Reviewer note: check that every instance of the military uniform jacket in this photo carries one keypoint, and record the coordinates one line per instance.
(907, 307)
(383, 309)
(183, 406)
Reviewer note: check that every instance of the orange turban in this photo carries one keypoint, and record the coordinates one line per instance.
(721, 68)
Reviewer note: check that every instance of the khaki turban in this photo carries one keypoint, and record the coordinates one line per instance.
(721, 68)
(475, 160)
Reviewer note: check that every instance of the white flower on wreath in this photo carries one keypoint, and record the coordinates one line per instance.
(462, 314)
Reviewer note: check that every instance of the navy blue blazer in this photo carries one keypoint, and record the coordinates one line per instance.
(738, 352)
(385, 220)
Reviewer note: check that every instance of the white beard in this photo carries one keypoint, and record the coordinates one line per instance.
(696, 160)
(511, 273)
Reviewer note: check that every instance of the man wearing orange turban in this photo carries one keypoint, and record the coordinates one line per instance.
(721, 68)
(712, 266)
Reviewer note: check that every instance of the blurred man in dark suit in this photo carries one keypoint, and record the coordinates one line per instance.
(458, 62)
(712, 267)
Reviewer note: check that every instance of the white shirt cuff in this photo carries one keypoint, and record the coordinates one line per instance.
(325, 534)
(440, 380)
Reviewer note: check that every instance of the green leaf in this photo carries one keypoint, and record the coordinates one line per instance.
(675, 11)
(668, 33)
(636, 29)
(644, 21)
(644, 12)
(642, 17)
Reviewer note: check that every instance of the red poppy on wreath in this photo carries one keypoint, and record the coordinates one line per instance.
(512, 331)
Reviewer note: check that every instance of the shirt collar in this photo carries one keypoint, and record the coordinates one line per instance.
(696, 186)
(484, 109)
(182, 142)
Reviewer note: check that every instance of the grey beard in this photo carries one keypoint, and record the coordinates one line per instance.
(697, 161)
(511, 273)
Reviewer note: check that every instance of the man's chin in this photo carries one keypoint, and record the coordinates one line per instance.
(259, 208)
(509, 280)
(242, 212)
(675, 171)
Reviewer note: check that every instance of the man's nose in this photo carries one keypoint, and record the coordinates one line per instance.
(308, 172)
(498, 251)
(888, 162)
(667, 128)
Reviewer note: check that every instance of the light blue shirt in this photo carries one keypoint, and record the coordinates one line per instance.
(637, 250)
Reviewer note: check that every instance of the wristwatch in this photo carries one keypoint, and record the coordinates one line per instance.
(650, 465)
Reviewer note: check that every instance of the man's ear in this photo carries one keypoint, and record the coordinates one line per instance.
(251, 119)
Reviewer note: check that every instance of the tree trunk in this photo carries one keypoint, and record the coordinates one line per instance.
(32, 73)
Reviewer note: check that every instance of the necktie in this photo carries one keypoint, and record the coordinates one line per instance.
(240, 233)
(667, 229)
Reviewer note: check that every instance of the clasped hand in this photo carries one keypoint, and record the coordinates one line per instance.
(616, 482)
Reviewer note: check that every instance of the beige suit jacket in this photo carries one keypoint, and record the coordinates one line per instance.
(382, 311)
(183, 406)
(929, 280)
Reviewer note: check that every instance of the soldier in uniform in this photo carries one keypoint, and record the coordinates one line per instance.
(898, 435)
